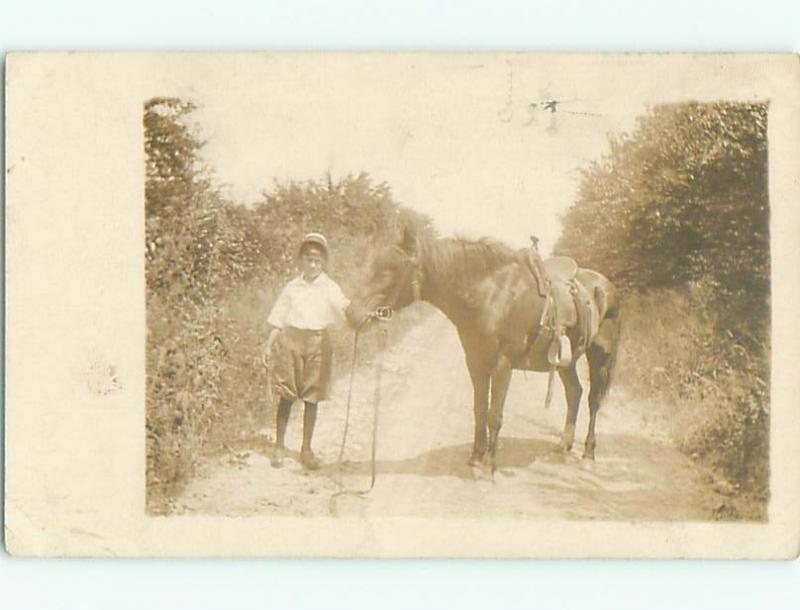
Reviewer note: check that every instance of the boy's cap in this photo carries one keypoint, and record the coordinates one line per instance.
(317, 239)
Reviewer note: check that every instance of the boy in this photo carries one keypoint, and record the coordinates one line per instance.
(299, 320)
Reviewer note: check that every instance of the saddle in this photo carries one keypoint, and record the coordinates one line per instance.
(568, 304)
(561, 268)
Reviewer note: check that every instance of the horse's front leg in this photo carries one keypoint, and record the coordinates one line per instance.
(480, 387)
(500, 380)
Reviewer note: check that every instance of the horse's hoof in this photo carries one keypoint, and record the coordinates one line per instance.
(480, 470)
(588, 455)
(488, 466)
(483, 473)
(475, 460)
(565, 447)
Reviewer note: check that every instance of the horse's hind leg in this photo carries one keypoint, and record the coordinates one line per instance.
(600, 363)
(573, 391)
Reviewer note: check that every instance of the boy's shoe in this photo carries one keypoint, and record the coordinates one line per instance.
(277, 457)
(309, 460)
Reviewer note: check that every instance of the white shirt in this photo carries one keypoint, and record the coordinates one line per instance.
(313, 305)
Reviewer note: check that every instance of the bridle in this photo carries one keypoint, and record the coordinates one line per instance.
(412, 272)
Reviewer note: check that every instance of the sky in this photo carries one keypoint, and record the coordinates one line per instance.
(464, 139)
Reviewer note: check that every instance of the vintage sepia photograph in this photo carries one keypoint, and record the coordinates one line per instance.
(452, 287)
(402, 305)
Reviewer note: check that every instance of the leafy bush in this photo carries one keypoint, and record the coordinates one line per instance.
(709, 387)
(683, 197)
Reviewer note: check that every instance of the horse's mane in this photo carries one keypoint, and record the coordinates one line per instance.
(464, 259)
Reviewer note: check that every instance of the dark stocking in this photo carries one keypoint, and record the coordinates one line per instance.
(309, 421)
(282, 421)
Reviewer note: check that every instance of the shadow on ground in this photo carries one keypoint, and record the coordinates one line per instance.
(514, 453)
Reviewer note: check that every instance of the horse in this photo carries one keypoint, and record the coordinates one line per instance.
(494, 301)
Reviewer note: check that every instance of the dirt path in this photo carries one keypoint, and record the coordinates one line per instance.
(424, 441)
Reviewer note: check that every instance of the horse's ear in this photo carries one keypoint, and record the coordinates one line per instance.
(408, 242)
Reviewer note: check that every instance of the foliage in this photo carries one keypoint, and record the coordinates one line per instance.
(213, 269)
(683, 197)
(715, 387)
(679, 207)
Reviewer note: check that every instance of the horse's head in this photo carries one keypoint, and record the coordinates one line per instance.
(395, 276)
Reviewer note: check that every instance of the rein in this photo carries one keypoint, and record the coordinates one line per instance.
(383, 314)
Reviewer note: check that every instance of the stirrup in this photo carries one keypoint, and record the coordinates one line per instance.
(560, 351)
